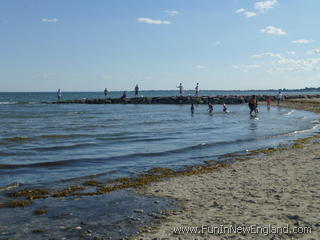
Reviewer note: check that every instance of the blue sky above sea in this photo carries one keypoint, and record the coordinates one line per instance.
(86, 45)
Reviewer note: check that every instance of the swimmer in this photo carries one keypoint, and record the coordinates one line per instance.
(225, 108)
(192, 108)
(268, 102)
(210, 108)
(279, 97)
(253, 104)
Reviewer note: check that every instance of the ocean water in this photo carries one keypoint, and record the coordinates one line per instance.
(43, 144)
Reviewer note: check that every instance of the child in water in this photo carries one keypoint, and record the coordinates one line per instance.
(210, 108)
(268, 102)
(225, 108)
(192, 108)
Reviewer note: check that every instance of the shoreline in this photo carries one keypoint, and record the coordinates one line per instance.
(278, 188)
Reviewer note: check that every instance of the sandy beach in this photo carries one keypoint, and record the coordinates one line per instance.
(280, 190)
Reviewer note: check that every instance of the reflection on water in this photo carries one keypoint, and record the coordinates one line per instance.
(253, 123)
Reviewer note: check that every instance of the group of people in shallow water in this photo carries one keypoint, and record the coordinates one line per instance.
(210, 108)
(252, 103)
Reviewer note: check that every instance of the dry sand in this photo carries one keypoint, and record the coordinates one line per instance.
(278, 189)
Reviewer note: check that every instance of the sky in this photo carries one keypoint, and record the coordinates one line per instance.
(87, 45)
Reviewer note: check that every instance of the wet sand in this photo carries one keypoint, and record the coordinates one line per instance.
(280, 189)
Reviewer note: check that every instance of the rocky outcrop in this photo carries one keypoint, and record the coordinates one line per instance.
(181, 100)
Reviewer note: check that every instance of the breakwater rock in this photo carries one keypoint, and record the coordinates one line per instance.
(181, 99)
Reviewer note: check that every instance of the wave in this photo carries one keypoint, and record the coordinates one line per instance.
(53, 148)
(141, 155)
(6, 103)
(10, 186)
(4, 154)
(19, 102)
(289, 113)
(115, 158)
(49, 136)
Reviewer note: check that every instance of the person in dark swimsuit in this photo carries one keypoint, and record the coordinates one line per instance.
(192, 108)
(210, 107)
(253, 104)
(225, 108)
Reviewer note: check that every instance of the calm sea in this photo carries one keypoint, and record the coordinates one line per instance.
(45, 144)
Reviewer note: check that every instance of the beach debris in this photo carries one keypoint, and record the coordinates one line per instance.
(38, 230)
(40, 211)
(138, 211)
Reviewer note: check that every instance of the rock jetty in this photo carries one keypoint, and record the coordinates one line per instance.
(181, 99)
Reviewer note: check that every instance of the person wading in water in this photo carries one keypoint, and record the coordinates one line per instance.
(253, 104)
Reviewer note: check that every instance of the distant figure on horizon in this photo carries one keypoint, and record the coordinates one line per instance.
(225, 108)
(59, 95)
(279, 97)
(210, 107)
(105, 92)
(180, 89)
(192, 108)
(136, 90)
(197, 90)
(124, 95)
(268, 102)
(253, 104)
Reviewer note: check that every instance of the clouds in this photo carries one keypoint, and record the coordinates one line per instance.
(291, 53)
(261, 7)
(273, 31)
(246, 67)
(314, 51)
(264, 6)
(50, 20)
(247, 14)
(172, 12)
(157, 21)
(240, 10)
(268, 54)
(152, 21)
(277, 63)
(250, 14)
(200, 67)
(302, 41)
